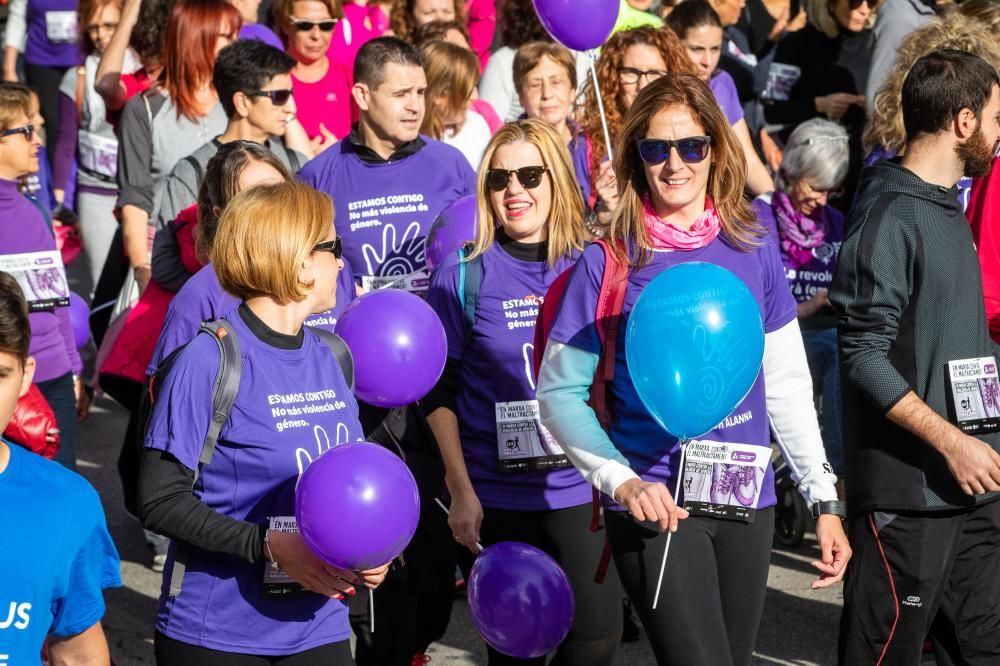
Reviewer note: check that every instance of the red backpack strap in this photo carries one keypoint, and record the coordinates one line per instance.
(547, 317)
(610, 302)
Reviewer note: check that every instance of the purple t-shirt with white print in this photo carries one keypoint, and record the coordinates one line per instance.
(722, 86)
(202, 299)
(652, 453)
(292, 405)
(384, 210)
(53, 34)
(495, 423)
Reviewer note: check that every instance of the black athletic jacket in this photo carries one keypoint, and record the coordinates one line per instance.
(909, 298)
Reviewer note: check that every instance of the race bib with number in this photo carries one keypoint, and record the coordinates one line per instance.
(723, 480)
(415, 283)
(781, 78)
(97, 154)
(523, 443)
(975, 391)
(41, 277)
(276, 582)
(60, 27)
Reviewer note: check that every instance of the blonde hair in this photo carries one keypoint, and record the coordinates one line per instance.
(15, 101)
(565, 221)
(820, 14)
(264, 235)
(953, 31)
(726, 178)
(987, 12)
(452, 75)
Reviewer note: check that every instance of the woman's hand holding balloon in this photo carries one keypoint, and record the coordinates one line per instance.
(465, 518)
(607, 192)
(650, 502)
(372, 578)
(297, 560)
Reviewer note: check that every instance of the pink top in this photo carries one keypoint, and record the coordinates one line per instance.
(361, 24)
(327, 100)
(482, 24)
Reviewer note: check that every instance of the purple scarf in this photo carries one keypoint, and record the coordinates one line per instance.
(799, 233)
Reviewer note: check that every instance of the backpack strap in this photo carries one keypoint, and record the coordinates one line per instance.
(470, 279)
(340, 351)
(610, 302)
(199, 172)
(81, 88)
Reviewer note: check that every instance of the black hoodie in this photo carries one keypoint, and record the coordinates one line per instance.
(909, 298)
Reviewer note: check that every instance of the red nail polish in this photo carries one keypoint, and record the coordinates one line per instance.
(339, 597)
(352, 591)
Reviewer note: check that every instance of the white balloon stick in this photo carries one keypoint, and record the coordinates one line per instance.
(666, 548)
(448, 513)
(600, 103)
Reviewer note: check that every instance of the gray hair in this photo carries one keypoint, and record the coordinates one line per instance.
(817, 151)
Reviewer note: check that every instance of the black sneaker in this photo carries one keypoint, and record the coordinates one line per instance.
(630, 626)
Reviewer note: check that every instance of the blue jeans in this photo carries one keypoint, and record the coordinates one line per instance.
(59, 394)
(824, 365)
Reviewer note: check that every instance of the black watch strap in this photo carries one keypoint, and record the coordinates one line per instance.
(836, 508)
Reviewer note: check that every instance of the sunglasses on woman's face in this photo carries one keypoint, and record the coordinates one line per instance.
(305, 25)
(334, 247)
(692, 149)
(530, 177)
(277, 97)
(27, 130)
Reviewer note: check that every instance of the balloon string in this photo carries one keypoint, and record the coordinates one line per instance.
(600, 104)
(448, 513)
(371, 608)
(666, 549)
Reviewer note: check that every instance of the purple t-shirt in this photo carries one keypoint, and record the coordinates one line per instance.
(497, 400)
(383, 210)
(261, 32)
(53, 34)
(722, 86)
(579, 151)
(652, 453)
(817, 273)
(292, 405)
(202, 299)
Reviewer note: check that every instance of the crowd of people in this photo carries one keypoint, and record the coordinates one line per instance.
(214, 182)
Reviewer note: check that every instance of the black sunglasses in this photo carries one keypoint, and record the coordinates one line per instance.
(334, 247)
(305, 25)
(27, 130)
(692, 149)
(277, 97)
(530, 177)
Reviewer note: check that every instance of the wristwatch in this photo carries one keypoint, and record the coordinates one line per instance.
(836, 508)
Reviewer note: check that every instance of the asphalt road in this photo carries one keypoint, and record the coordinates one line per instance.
(799, 625)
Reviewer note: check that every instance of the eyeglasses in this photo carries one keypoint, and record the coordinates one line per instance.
(27, 130)
(334, 247)
(631, 75)
(811, 191)
(277, 97)
(95, 28)
(305, 25)
(692, 149)
(530, 177)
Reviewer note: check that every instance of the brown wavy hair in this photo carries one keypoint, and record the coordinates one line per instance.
(565, 221)
(612, 56)
(401, 18)
(452, 74)
(953, 31)
(726, 178)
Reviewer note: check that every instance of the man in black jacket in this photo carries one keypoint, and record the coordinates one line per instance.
(922, 469)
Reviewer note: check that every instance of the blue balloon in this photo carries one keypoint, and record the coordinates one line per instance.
(694, 346)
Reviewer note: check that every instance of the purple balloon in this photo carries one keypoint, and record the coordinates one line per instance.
(580, 25)
(452, 228)
(399, 346)
(520, 599)
(357, 506)
(79, 317)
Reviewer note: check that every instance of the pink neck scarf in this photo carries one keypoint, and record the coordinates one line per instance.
(666, 236)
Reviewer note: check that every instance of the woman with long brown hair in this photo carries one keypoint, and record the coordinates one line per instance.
(682, 172)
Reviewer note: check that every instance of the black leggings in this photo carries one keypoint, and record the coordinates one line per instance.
(713, 589)
(175, 653)
(565, 535)
(46, 82)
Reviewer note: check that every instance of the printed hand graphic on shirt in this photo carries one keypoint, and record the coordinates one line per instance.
(398, 256)
(528, 352)
(303, 458)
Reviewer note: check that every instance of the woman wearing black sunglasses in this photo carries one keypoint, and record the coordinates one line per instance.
(322, 85)
(682, 172)
(507, 478)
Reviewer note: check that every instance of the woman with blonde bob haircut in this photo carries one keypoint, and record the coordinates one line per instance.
(517, 486)
(681, 172)
(276, 251)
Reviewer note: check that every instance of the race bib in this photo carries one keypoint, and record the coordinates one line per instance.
(523, 443)
(722, 480)
(415, 283)
(276, 582)
(975, 392)
(60, 27)
(41, 277)
(97, 154)
(781, 78)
